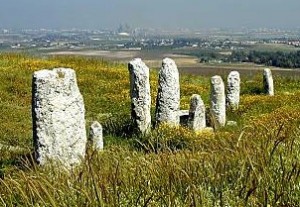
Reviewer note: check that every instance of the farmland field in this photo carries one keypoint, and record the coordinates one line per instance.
(186, 64)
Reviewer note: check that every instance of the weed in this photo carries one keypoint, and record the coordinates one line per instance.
(254, 164)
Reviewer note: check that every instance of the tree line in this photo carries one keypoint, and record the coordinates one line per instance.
(277, 59)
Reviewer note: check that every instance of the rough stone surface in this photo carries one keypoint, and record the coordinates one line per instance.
(168, 96)
(268, 82)
(96, 135)
(218, 102)
(59, 131)
(197, 119)
(140, 95)
(233, 90)
(183, 112)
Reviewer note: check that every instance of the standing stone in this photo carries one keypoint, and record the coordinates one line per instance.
(168, 95)
(233, 89)
(197, 120)
(59, 132)
(140, 95)
(268, 82)
(218, 102)
(96, 135)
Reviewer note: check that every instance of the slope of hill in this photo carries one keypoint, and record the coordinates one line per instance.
(255, 163)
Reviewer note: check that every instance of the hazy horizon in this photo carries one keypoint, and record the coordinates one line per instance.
(169, 14)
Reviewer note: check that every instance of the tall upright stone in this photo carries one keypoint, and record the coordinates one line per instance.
(233, 90)
(218, 102)
(140, 95)
(59, 132)
(197, 119)
(168, 95)
(96, 135)
(268, 82)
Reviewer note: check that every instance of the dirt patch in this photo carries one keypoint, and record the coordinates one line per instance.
(116, 55)
(151, 58)
(186, 64)
(205, 70)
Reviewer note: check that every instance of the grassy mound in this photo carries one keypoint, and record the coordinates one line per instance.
(253, 164)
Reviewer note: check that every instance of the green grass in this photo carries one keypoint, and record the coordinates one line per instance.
(253, 164)
(274, 48)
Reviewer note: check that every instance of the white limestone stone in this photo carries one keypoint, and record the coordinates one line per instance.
(96, 135)
(218, 102)
(197, 119)
(183, 112)
(140, 95)
(59, 132)
(268, 82)
(168, 95)
(233, 90)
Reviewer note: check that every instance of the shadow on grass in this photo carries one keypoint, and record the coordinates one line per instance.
(23, 160)
(121, 126)
(253, 90)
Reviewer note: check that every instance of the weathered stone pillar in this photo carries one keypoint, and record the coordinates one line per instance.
(197, 119)
(268, 82)
(59, 132)
(168, 95)
(233, 90)
(218, 102)
(96, 135)
(140, 95)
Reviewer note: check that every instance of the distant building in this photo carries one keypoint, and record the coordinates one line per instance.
(124, 34)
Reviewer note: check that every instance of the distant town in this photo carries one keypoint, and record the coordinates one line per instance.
(126, 38)
(260, 46)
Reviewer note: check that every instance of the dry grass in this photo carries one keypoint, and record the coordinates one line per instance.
(253, 164)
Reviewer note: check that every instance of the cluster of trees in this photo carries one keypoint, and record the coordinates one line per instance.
(277, 59)
(204, 55)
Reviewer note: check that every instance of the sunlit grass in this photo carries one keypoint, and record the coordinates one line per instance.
(253, 164)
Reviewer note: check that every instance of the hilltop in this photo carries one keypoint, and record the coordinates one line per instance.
(255, 163)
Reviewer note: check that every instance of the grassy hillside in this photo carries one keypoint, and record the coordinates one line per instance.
(253, 164)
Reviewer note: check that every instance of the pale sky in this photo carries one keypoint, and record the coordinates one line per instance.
(171, 14)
